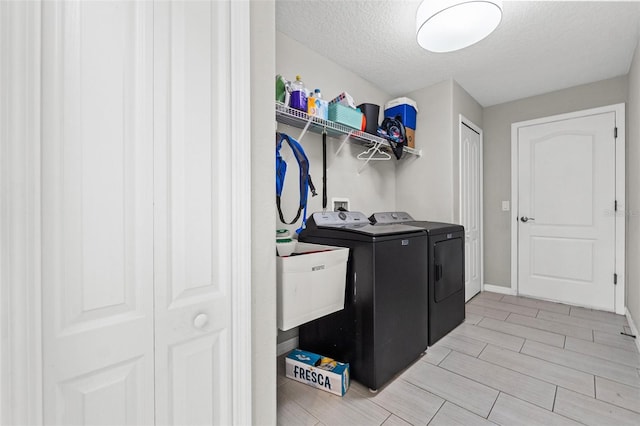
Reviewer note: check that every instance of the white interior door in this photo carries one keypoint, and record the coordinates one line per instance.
(566, 193)
(193, 338)
(470, 206)
(138, 212)
(97, 213)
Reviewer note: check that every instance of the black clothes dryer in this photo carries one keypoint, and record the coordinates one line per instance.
(383, 326)
(446, 270)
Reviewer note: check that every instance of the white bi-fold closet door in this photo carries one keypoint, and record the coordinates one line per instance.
(135, 220)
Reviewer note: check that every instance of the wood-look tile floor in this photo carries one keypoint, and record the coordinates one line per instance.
(514, 361)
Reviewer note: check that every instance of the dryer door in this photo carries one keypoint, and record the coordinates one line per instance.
(448, 268)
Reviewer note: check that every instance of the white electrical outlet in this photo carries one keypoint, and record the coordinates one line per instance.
(340, 204)
(505, 206)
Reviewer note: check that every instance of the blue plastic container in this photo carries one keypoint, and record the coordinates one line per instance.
(406, 108)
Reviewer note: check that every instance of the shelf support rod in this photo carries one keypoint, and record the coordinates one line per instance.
(344, 141)
(306, 127)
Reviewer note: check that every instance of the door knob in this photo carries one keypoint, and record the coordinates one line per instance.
(526, 219)
(200, 320)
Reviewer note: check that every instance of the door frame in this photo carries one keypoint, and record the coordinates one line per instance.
(464, 121)
(20, 279)
(620, 215)
(21, 360)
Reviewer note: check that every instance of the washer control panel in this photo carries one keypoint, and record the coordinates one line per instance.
(390, 217)
(339, 218)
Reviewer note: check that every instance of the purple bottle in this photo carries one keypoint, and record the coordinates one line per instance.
(298, 98)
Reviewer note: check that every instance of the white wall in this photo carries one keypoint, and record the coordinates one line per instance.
(632, 209)
(263, 293)
(497, 121)
(424, 185)
(428, 187)
(371, 190)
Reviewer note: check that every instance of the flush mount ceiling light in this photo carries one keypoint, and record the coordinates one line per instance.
(448, 25)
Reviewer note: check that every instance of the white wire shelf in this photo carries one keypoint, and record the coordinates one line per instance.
(300, 119)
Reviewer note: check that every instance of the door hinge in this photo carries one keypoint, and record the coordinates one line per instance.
(615, 132)
(615, 206)
(615, 279)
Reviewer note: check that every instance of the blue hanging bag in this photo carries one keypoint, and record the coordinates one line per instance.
(305, 178)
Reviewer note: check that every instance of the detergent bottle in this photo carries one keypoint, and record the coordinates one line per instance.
(298, 95)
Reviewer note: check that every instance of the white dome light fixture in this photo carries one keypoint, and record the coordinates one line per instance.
(448, 25)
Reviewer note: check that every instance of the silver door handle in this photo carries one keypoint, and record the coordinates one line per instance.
(526, 219)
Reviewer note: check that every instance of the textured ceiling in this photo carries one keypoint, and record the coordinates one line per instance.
(539, 47)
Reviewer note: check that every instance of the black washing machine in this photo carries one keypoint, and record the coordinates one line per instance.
(446, 270)
(383, 326)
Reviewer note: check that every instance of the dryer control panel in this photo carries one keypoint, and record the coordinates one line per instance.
(390, 217)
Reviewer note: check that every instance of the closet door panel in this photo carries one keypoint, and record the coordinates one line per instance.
(97, 209)
(192, 262)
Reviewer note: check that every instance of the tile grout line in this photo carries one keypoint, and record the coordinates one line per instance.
(522, 400)
(444, 401)
(576, 326)
(305, 410)
(485, 347)
(562, 415)
(391, 414)
(546, 360)
(611, 360)
(505, 309)
(609, 402)
(575, 369)
(553, 323)
(537, 306)
(445, 357)
(598, 400)
(524, 326)
(371, 399)
(494, 404)
(464, 377)
(499, 390)
(534, 377)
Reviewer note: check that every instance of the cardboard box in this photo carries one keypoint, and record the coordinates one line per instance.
(318, 371)
(411, 136)
(310, 283)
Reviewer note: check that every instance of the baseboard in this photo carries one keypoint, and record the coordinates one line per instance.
(633, 327)
(287, 346)
(498, 289)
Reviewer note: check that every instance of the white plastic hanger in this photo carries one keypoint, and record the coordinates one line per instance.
(373, 153)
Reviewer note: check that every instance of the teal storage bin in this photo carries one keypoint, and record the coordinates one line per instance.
(344, 115)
